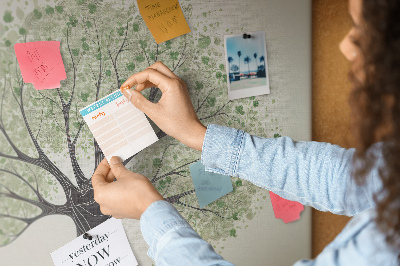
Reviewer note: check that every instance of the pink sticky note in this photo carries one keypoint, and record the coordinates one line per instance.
(41, 64)
(284, 209)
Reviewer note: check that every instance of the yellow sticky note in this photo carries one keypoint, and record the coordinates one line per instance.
(164, 18)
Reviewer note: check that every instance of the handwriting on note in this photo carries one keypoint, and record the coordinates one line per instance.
(284, 209)
(100, 114)
(209, 186)
(41, 63)
(164, 18)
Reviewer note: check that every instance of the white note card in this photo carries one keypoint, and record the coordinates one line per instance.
(109, 247)
(118, 126)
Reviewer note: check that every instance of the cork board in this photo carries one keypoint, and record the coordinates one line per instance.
(330, 97)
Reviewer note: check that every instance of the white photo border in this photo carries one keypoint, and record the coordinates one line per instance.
(247, 92)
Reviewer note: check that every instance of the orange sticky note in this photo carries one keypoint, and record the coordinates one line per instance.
(41, 63)
(284, 209)
(164, 18)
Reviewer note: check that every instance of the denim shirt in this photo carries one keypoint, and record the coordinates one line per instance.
(312, 173)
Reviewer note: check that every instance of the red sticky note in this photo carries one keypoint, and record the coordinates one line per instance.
(41, 63)
(284, 209)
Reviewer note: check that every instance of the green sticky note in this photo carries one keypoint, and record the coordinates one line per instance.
(209, 186)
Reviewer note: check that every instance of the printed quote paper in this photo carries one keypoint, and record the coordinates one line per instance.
(108, 246)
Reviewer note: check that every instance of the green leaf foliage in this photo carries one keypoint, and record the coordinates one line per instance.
(37, 14)
(121, 31)
(157, 162)
(8, 17)
(49, 10)
(135, 27)
(174, 55)
(59, 9)
(85, 46)
(205, 60)
(130, 66)
(204, 42)
(239, 109)
(22, 31)
(140, 58)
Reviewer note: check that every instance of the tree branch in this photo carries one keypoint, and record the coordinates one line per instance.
(174, 171)
(42, 160)
(40, 198)
(177, 199)
(162, 158)
(204, 101)
(217, 112)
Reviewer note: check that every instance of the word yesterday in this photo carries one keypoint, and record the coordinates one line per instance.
(87, 247)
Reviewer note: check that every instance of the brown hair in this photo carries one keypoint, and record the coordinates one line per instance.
(375, 101)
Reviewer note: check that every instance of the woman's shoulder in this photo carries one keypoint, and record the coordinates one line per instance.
(362, 239)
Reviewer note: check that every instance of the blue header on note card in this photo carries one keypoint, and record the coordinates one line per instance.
(101, 103)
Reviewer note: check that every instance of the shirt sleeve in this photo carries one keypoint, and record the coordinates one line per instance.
(172, 241)
(312, 173)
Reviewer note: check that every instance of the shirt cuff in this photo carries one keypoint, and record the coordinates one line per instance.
(222, 148)
(158, 219)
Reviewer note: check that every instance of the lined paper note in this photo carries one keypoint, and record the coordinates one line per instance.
(118, 126)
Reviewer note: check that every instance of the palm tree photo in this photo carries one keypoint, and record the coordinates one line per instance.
(255, 60)
(262, 59)
(239, 53)
(247, 60)
(230, 60)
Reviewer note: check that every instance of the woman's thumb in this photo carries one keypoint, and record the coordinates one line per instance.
(117, 167)
(138, 100)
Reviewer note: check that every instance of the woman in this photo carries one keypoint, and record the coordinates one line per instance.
(317, 174)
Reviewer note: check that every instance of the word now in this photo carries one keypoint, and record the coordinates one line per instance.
(93, 259)
(169, 24)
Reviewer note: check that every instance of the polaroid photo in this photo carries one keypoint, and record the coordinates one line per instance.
(246, 65)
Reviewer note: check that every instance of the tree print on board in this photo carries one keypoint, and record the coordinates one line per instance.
(47, 153)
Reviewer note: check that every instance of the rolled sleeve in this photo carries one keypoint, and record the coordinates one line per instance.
(222, 148)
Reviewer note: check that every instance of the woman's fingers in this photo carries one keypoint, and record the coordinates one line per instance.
(153, 76)
(145, 85)
(160, 67)
(100, 175)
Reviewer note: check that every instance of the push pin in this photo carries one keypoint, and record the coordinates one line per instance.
(246, 36)
(87, 236)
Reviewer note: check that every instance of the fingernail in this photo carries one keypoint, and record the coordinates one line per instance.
(124, 88)
(115, 160)
(127, 94)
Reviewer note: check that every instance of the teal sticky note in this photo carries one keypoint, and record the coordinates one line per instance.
(209, 186)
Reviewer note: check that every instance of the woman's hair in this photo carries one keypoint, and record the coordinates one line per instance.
(375, 102)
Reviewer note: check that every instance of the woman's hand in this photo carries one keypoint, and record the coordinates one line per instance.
(174, 112)
(128, 196)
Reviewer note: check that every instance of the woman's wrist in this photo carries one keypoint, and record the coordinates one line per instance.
(195, 137)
